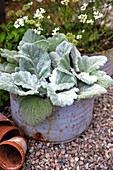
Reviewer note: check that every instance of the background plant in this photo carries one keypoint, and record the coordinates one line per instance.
(80, 20)
(12, 31)
(83, 20)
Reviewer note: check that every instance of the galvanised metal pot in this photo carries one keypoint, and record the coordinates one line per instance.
(108, 67)
(62, 126)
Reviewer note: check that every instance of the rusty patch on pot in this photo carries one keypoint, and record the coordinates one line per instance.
(49, 130)
(39, 136)
(73, 127)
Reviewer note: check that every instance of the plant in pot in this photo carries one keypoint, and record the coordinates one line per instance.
(52, 87)
(85, 24)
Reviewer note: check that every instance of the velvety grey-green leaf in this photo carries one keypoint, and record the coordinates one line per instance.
(26, 80)
(2, 66)
(62, 98)
(64, 64)
(75, 54)
(90, 91)
(25, 64)
(7, 83)
(63, 51)
(10, 68)
(103, 79)
(30, 37)
(86, 78)
(35, 109)
(10, 55)
(64, 48)
(61, 81)
(55, 40)
(34, 60)
(54, 59)
(43, 44)
(44, 66)
(89, 64)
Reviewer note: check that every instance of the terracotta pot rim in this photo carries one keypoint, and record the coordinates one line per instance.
(20, 150)
(22, 137)
(8, 129)
(4, 119)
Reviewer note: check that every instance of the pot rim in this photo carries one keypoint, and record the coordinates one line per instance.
(4, 119)
(20, 150)
(10, 128)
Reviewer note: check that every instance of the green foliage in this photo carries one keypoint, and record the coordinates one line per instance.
(3, 97)
(10, 13)
(19, 13)
(81, 22)
(26, 7)
(70, 37)
(10, 36)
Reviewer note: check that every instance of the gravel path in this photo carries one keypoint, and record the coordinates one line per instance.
(93, 150)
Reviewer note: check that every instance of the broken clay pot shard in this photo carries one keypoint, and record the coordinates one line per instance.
(5, 121)
(7, 132)
(12, 153)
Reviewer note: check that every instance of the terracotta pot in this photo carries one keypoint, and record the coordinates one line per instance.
(12, 153)
(7, 132)
(5, 121)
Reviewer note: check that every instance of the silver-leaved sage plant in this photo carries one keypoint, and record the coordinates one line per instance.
(50, 72)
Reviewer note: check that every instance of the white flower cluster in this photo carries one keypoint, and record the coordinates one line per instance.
(25, 18)
(20, 22)
(65, 2)
(82, 18)
(97, 14)
(78, 37)
(31, 3)
(94, 8)
(55, 31)
(39, 13)
(108, 6)
(37, 31)
(90, 21)
(84, 6)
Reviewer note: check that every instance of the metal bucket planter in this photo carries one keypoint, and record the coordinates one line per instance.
(63, 125)
(108, 66)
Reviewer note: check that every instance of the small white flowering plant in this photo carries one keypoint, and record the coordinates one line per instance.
(50, 72)
(21, 21)
(85, 23)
